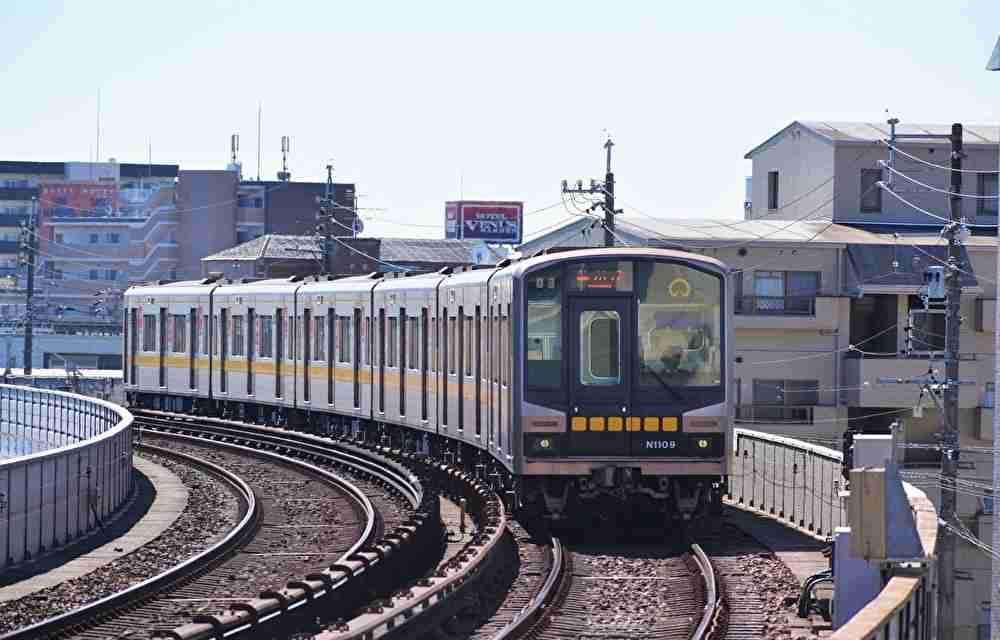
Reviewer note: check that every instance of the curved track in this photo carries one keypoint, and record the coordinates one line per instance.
(288, 507)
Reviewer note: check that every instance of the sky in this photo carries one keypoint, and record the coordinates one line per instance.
(419, 103)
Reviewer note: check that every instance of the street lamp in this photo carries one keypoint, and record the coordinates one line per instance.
(994, 65)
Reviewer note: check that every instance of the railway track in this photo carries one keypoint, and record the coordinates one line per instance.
(297, 519)
(618, 592)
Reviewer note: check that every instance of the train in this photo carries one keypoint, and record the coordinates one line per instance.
(586, 381)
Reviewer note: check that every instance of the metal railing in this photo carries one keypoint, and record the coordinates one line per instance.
(776, 305)
(795, 481)
(753, 413)
(799, 483)
(67, 467)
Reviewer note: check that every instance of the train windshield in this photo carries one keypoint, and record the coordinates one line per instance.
(679, 325)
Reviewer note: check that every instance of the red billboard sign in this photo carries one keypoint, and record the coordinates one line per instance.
(490, 221)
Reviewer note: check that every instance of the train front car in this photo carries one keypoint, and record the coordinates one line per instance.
(623, 368)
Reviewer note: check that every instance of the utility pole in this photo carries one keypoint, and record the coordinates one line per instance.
(949, 415)
(994, 65)
(325, 222)
(29, 245)
(608, 189)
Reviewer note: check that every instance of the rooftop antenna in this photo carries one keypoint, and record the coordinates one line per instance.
(259, 109)
(286, 145)
(234, 147)
(97, 156)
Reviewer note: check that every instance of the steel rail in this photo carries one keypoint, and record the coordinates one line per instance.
(395, 475)
(538, 606)
(711, 594)
(192, 567)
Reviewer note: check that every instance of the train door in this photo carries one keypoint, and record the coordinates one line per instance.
(600, 377)
(193, 343)
(163, 347)
(133, 345)
(279, 350)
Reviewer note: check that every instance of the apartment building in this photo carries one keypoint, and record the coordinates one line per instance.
(827, 318)
(829, 170)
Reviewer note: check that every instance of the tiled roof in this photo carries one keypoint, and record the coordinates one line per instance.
(395, 250)
(838, 132)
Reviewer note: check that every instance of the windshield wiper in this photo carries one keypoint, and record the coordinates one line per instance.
(663, 383)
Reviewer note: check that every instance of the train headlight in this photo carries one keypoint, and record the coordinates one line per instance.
(703, 443)
(541, 445)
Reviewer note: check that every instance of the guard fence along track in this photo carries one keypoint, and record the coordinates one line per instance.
(80, 620)
(620, 592)
(368, 600)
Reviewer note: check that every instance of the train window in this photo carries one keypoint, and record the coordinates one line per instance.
(149, 332)
(432, 363)
(298, 337)
(413, 346)
(679, 327)
(543, 343)
(600, 348)
(495, 351)
(344, 337)
(205, 341)
(393, 338)
(451, 345)
(251, 329)
(319, 339)
(215, 335)
(267, 336)
(179, 333)
(367, 344)
(467, 346)
(239, 339)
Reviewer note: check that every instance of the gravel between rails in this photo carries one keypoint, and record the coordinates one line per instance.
(210, 512)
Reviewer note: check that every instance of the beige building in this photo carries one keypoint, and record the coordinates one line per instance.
(821, 319)
(828, 170)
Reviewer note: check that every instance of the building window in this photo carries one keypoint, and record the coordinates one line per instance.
(266, 336)
(113, 238)
(242, 201)
(239, 341)
(258, 203)
(180, 334)
(94, 274)
(788, 401)
(111, 274)
(780, 293)
(986, 185)
(772, 190)
(95, 238)
(989, 398)
(871, 193)
(59, 238)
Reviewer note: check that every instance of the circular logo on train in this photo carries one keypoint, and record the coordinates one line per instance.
(679, 288)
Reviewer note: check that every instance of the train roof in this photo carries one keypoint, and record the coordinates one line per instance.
(355, 284)
(529, 264)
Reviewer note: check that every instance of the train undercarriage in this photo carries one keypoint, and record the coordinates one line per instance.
(610, 493)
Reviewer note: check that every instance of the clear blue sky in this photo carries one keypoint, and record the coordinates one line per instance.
(407, 97)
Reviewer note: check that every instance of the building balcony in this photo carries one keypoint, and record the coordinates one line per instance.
(773, 414)
(786, 313)
(867, 382)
